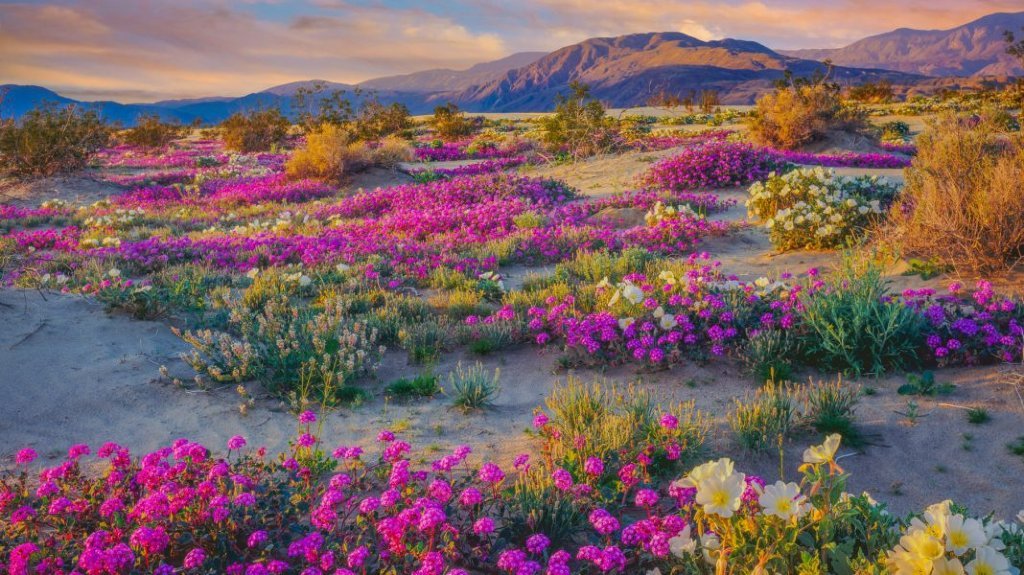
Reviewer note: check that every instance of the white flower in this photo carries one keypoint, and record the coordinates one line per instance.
(305, 280)
(720, 495)
(783, 500)
(114, 272)
(711, 547)
(963, 534)
(823, 453)
(943, 566)
(625, 322)
(682, 544)
(668, 321)
(632, 293)
(988, 561)
(342, 268)
(251, 274)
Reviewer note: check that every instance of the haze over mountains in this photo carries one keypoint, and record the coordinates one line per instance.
(625, 71)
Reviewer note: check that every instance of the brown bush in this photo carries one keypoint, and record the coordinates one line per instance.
(798, 115)
(51, 140)
(256, 131)
(963, 204)
(330, 154)
(392, 151)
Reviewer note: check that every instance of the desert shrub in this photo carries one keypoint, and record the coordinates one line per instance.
(829, 408)
(872, 93)
(450, 123)
(963, 198)
(894, 131)
(329, 154)
(300, 353)
(814, 208)
(714, 164)
(316, 104)
(459, 303)
(796, 115)
(376, 120)
(50, 140)
(254, 131)
(424, 341)
(474, 387)
(763, 420)
(390, 152)
(768, 355)
(579, 127)
(852, 324)
(150, 132)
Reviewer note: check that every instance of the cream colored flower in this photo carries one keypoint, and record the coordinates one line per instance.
(824, 453)
(963, 534)
(625, 322)
(943, 566)
(632, 293)
(668, 321)
(988, 561)
(720, 495)
(711, 547)
(783, 500)
(682, 544)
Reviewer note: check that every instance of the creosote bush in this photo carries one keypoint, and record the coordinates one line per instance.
(964, 196)
(799, 114)
(450, 123)
(254, 131)
(151, 132)
(579, 127)
(51, 140)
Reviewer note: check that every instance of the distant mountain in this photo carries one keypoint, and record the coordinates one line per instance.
(974, 49)
(627, 70)
(446, 80)
(17, 100)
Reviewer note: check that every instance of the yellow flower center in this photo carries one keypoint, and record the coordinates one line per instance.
(984, 569)
(720, 498)
(958, 538)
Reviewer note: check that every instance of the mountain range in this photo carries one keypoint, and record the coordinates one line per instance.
(624, 71)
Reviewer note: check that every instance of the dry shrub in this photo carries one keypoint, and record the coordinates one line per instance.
(256, 131)
(963, 204)
(392, 151)
(795, 116)
(51, 140)
(330, 154)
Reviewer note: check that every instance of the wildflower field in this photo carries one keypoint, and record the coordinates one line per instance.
(680, 352)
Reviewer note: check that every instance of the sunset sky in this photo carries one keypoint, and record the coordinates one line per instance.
(144, 50)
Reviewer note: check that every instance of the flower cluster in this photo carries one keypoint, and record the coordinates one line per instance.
(713, 164)
(815, 208)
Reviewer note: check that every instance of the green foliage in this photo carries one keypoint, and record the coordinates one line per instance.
(853, 326)
(924, 384)
(978, 416)
(768, 354)
(579, 127)
(424, 341)
(764, 419)
(829, 408)
(51, 140)
(376, 120)
(927, 269)
(423, 385)
(254, 131)
(473, 388)
(316, 105)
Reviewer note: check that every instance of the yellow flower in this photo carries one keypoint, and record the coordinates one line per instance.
(824, 453)
(783, 500)
(720, 467)
(943, 566)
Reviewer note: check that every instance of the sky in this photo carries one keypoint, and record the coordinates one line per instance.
(148, 50)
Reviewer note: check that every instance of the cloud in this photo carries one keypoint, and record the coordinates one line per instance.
(147, 49)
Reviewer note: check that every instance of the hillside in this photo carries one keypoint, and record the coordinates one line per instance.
(446, 80)
(973, 49)
(627, 70)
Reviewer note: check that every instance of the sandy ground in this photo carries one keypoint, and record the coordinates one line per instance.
(82, 189)
(72, 373)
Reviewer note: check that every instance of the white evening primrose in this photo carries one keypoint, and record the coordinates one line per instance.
(682, 544)
(720, 495)
(783, 500)
(824, 453)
